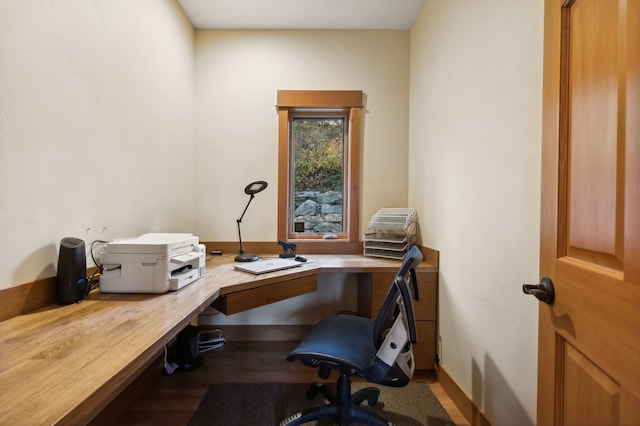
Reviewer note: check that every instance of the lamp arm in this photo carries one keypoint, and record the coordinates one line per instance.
(238, 221)
(245, 209)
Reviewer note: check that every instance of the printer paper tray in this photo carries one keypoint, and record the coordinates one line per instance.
(183, 278)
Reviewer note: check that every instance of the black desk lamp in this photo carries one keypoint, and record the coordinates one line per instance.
(252, 189)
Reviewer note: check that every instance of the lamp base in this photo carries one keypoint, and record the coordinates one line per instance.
(246, 257)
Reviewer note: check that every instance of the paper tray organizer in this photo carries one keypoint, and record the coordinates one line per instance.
(391, 233)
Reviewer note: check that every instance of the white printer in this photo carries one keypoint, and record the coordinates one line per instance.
(151, 263)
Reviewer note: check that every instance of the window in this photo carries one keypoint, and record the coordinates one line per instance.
(316, 150)
(319, 170)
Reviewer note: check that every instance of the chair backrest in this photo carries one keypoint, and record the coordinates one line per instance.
(395, 327)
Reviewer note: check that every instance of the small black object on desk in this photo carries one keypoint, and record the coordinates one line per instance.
(289, 249)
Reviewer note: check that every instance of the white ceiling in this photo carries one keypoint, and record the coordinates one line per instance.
(302, 14)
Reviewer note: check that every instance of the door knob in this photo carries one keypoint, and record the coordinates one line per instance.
(543, 291)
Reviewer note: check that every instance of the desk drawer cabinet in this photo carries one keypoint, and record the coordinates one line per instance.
(243, 300)
(425, 311)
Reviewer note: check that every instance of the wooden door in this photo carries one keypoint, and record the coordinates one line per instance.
(589, 337)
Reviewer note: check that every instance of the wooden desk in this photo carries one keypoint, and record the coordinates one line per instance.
(64, 364)
(250, 291)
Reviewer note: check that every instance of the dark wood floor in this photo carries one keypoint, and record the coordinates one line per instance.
(172, 400)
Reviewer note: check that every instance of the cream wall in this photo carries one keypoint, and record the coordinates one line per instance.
(238, 75)
(475, 132)
(96, 126)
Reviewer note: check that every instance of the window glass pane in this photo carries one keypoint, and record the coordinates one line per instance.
(318, 174)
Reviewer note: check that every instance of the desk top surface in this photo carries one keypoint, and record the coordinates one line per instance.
(66, 363)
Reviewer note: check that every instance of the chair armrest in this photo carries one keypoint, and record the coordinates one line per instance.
(393, 364)
(394, 342)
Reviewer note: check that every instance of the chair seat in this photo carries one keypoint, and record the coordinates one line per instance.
(379, 351)
(344, 340)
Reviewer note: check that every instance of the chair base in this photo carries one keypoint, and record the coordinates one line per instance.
(344, 408)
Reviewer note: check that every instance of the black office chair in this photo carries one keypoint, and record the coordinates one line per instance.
(379, 351)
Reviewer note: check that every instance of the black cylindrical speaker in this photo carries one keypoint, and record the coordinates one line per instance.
(71, 281)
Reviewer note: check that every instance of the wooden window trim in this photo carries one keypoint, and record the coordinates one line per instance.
(353, 100)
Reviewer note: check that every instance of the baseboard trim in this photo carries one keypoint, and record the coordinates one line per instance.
(465, 404)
